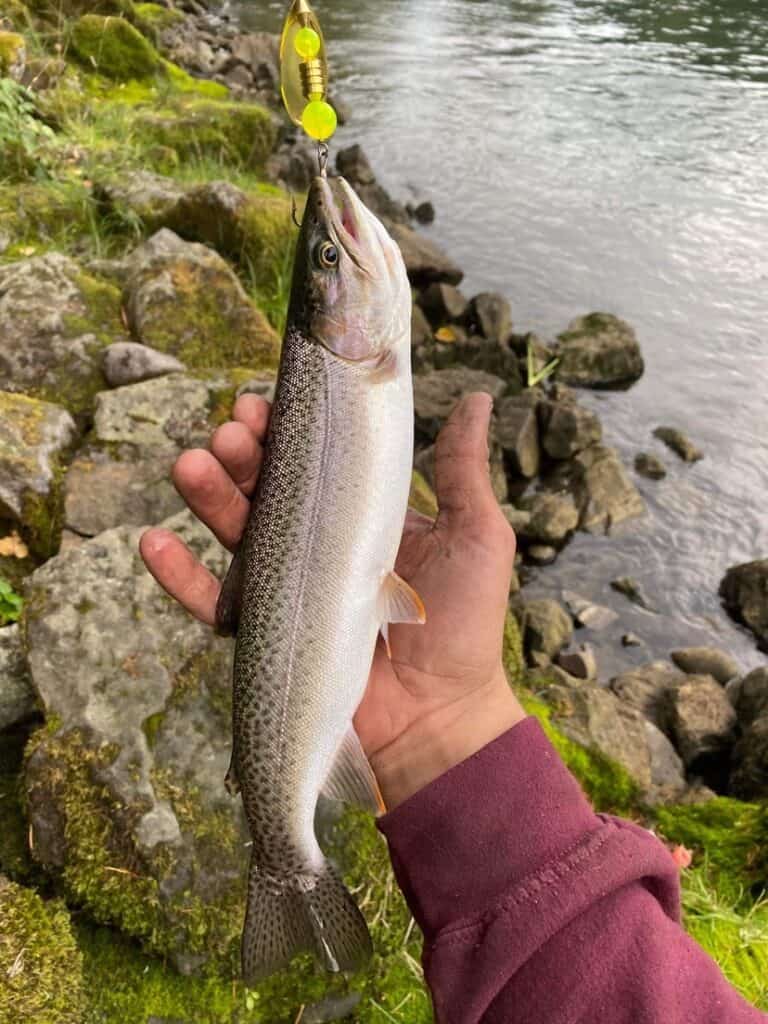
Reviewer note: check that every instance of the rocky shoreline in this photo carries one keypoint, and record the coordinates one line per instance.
(145, 241)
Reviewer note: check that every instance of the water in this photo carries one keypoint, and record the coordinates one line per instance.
(601, 155)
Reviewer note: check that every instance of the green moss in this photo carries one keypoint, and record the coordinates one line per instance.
(186, 84)
(512, 651)
(11, 48)
(151, 727)
(15, 859)
(40, 964)
(114, 48)
(14, 14)
(153, 20)
(224, 385)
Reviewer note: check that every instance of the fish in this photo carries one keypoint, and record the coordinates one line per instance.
(312, 584)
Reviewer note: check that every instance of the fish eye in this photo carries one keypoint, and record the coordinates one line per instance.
(327, 255)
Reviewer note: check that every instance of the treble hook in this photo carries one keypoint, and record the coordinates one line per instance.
(322, 159)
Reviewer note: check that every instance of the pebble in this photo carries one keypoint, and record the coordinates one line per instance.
(650, 466)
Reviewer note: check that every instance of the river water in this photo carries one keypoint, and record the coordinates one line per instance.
(612, 155)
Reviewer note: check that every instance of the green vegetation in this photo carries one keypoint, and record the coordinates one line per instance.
(114, 48)
(23, 135)
(11, 603)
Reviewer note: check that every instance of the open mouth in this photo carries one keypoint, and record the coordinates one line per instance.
(341, 212)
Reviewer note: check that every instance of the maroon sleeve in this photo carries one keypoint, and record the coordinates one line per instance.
(534, 908)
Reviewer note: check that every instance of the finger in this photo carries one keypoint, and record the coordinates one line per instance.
(254, 412)
(241, 455)
(180, 574)
(212, 495)
(462, 477)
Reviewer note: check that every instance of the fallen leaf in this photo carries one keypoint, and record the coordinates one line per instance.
(13, 546)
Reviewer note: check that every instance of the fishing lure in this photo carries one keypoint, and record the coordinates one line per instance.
(304, 73)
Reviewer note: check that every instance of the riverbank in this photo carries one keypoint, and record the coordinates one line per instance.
(146, 240)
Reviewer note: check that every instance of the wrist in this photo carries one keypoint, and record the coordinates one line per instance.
(445, 737)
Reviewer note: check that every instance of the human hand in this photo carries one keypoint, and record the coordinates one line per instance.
(443, 695)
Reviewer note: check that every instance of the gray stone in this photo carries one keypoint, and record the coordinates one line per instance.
(749, 776)
(123, 475)
(749, 696)
(587, 613)
(139, 697)
(633, 591)
(541, 554)
(650, 466)
(421, 332)
(553, 518)
(127, 362)
(517, 518)
(567, 428)
(599, 351)
(424, 462)
(442, 304)
(518, 433)
(580, 663)
(436, 394)
(334, 1008)
(139, 195)
(353, 164)
(602, 489)
(667, 769)
(423, 212)
(706, 661)
(645, 688)
(491, 315)
(699, 718)
(424, 261)
(631, 640)
(679, 442)
(387, 209)
(744, 590)
(547, 627)
(17, 698)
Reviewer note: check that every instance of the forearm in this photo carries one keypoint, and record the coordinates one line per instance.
(535, 908)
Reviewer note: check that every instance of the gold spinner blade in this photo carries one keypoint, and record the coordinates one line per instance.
(304, 73)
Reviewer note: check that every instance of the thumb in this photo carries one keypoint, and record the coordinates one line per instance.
(462, 476)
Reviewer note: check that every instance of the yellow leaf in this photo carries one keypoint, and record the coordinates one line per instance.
(445, 334)
(13, 546)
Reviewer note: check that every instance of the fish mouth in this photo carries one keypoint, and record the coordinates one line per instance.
(339, 208)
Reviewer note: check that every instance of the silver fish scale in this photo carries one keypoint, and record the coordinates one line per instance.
(313, 480)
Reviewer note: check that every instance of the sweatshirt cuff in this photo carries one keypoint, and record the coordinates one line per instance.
(474, 833)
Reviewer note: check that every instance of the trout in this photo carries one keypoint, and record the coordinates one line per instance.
(313, 581)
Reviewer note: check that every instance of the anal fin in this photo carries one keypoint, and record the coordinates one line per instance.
(399, 602)
(351, 779)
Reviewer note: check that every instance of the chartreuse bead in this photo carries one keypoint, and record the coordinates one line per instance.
(307, 43)
(319, 120)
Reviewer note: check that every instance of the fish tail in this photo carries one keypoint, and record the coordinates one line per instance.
(314, 914)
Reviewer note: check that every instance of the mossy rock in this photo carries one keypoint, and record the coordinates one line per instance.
(114, 48)
(231, 133)
(60, 11)
(44, 215)
(152, 19)
(14, 14)
(12, 54)
(40, 963)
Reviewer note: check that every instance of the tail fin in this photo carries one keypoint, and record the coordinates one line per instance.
(281, 921)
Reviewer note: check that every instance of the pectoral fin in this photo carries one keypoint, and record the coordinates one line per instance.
(230, 598)
(399, 602)
(351, 779)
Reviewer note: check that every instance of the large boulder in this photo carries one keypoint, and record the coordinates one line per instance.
(603, 491)
(490, 315)
(700, 720)
(645, 688)
(138, 194)
(547, 627)
(749, 696)
(55, 321)
(424, 260)
(34, 438)
(706, 661)
(517, 431)
(679, 443)
(183, 299)
(127, 362)
(553, 518)
(436, 394)
(443, 304)
(114, 48)
(749, 775)
(599, 351)
(125, 787)
(17, 698)
(567, 428)
(744, 590)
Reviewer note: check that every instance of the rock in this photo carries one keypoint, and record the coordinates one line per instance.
(17, 698)
(334, 1008)
(547, 627)
(55, 321)
(650, 466)
(700, 720)
(517, 432)
(126, 362)
(706, 661)
(34, 437)
(424, 462)
(601, 487)
(125, 788)
(421, 332)
(184, 300)
(42, 73)
(567, 428)
(749, 776)
(436, 394)
(517, 518)
(679, 443)
(744, 590)
(123, 476)
(491, 316)
(139, 194)
(631, 640)
(553, 518)
(114, 48)
(424, 261)
(353, 164)
(541, 554)
(480, 354)
(645, 688)
(260, 53)
(423, 212)
(667, 769)
(750, 696)
(294, 164)
(580, 663)
(380, 202)
(599, 351)
(587, 613)
(442, 303)
(13, 55)
(633, 591)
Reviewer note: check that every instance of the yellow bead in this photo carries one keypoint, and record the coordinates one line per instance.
(319, 120)
(307, 43)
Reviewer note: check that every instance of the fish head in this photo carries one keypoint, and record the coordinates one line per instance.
(350, 288)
